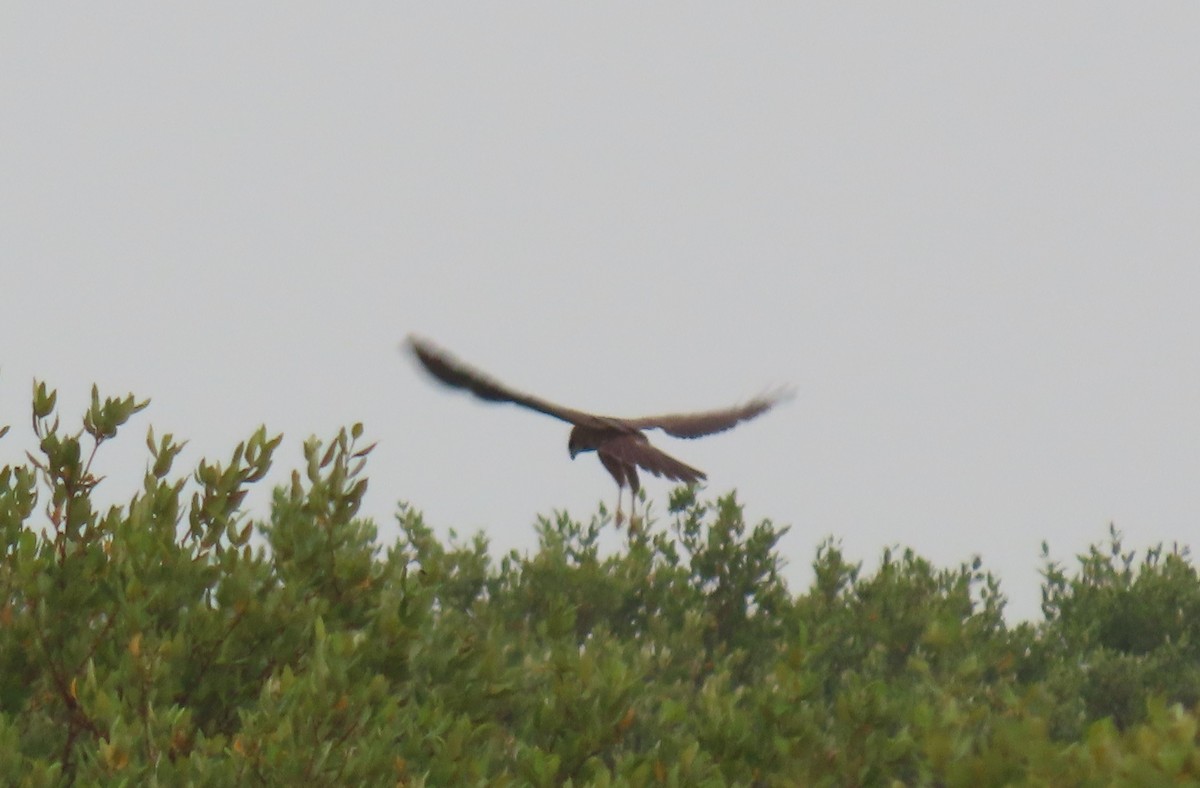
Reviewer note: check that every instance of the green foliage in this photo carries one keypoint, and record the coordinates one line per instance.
(1127, 629)
(160, 642)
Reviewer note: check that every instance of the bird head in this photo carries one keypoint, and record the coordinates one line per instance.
(575, 444)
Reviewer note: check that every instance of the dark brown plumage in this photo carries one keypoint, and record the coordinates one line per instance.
(620, 443)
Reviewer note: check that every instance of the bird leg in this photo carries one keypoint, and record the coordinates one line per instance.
(618, 518)
(632, 477)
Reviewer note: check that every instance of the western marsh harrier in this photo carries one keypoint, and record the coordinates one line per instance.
(620, 444)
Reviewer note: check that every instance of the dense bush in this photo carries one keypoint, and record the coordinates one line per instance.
(161, 642)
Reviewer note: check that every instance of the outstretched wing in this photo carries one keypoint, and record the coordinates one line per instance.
(449, 370)
(634, 449)
(695, 425)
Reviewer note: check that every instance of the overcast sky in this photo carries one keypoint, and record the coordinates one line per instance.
(967, 235)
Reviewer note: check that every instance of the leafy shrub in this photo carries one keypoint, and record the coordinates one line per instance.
(1121, 631)
(161, 642)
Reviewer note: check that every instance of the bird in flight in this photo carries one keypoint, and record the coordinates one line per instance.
(621, 444)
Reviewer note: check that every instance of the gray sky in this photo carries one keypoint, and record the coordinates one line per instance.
(967, 234)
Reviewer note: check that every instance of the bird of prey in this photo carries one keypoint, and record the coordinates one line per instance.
(620, 443)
